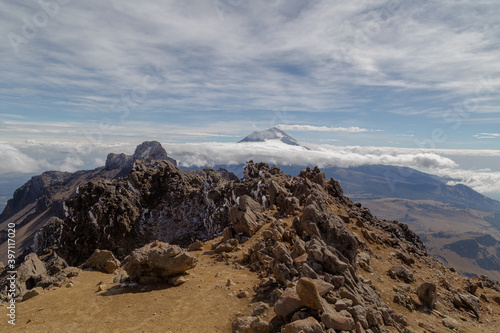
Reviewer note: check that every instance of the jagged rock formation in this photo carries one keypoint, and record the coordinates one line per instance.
(146, 151)
(156, 201)
(42, 197)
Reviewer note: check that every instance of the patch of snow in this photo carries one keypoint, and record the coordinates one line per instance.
(93, 219)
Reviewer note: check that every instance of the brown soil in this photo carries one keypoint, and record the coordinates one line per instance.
(203, 304)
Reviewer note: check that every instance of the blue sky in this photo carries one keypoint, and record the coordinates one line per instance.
(93, 76)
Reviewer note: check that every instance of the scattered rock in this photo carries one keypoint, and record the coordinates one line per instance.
(242, 294)
(103, 261)
(338, 322)
(32, 293)
(428, 327)
(288, 303)
(399, 272)
(177, 280)
(450, 323)
(250, 324)
(196, 246)
(121, 277)
(308, 325)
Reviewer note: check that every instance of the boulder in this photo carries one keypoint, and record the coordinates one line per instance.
(468, 302)
(308, 325)
(316, 219)
(250, 324)
(399, 272)
(247, 216)
(103, 261)
(196, 246)
(158, 259)
(405, 257)
(288, 303)
(29, 272)
(451, 323)
(32, 293)
(338, 322)
(427, 292)
(308, 294)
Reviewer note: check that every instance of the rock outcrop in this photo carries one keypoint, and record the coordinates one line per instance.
(42, 198)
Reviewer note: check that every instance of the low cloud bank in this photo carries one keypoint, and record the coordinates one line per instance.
(209, 154)
(484, 181)
(36, 157)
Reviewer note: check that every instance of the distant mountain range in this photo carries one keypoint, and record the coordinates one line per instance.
(450, 219)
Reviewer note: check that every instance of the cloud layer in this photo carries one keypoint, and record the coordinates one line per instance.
(459, 166)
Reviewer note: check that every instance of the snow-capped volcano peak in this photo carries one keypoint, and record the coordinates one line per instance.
(272, 133)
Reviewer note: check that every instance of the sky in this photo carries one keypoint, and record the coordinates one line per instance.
(360, 82)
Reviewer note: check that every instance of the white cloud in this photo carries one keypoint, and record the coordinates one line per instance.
(35, 157)
(213, 153)
(351, 129)
(434, 162)
(15, 161)
(261, 55)
(487, 135)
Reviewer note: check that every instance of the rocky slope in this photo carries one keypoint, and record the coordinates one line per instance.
(316, 261)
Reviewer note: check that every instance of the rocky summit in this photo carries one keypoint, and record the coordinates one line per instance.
(158, 249)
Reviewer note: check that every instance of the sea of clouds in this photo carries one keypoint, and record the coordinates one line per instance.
(478, 169)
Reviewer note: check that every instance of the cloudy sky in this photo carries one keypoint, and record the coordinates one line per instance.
(83, 78)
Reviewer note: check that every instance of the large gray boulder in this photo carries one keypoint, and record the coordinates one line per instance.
(28, 272)
(247, 216)
(158, 260)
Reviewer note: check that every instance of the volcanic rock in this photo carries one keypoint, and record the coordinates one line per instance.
(338, 322)
(246, 217)
(28, 272)
(102, 260)
(401, 273)
(158, 259)
(427, 292)
(250, 324)
(308, 325)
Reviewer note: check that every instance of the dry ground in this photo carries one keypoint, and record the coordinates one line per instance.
(200, 305)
